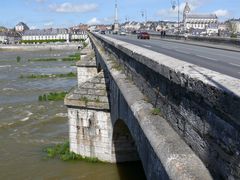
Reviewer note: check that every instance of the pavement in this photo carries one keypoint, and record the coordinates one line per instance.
(202, 44)
(221, 60)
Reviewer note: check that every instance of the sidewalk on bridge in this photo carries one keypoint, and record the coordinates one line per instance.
(203, 44)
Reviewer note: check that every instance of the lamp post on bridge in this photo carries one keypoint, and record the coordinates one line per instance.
(173, 2)
(116, 24)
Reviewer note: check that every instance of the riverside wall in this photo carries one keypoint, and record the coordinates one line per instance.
(214, 40)
(32, 47)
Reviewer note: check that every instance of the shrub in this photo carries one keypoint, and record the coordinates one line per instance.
(85, 44)
(18, 58)
(41, 76)
(53, 96)
(63, 152)
(156, 111)
(233, 35)
(43, 59)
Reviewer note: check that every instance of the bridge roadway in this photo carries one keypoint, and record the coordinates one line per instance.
(222, 61)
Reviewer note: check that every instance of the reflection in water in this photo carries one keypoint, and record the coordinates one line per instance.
(27, 126)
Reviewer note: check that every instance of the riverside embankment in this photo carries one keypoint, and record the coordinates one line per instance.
(32, 47)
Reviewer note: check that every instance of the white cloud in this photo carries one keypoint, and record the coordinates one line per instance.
(69, 7)
(194, 4)
(221, 13)
(48, 24)
(40, 1)
(93, 21)
(33, 27)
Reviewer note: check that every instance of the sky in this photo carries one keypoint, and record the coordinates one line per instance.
(67, 13)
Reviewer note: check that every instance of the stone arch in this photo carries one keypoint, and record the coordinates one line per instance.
(123, 145)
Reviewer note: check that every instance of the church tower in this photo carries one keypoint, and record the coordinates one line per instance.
(185, 12)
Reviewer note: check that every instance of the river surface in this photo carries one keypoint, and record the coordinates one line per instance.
(27, 126)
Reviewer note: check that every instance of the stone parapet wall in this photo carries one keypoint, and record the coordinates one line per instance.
(216, 40)
(201, 105)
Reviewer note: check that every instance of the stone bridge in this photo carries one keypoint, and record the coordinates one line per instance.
(181, 120)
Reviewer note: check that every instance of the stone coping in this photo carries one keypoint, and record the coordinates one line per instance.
(158, 62)
(86, 61)
(90, 95)
(219, 91)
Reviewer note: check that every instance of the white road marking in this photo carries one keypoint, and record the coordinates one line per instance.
(238, 65)
(205, 57)
(147, 46)
(184, 52)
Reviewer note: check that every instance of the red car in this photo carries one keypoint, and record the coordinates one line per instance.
(143, 35)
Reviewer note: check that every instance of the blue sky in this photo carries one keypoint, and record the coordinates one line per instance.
(65, 13)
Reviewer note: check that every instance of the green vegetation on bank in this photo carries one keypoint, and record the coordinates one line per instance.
(233, 35)
(77, 40)
(44, 59)
(84, 99)
(42, 41)
(156, 111)
(53, 96)
(42, 76)
(85, 44)
(18, 58)
(72, 57)
(62, 151)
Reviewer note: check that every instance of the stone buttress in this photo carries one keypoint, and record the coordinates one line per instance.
(90, 128)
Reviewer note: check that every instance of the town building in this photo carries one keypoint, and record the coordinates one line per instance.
(53, 34)
(3, 29)
(21, 27)
(132, 26)
(76, 35)
(81, 27)
(234, 25)
(46, 34)
(212, 29)
(9, 37)
(198, 21)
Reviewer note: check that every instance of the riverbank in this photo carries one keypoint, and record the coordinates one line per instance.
(35, 47)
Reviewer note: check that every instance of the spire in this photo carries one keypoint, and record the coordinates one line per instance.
(186, 9)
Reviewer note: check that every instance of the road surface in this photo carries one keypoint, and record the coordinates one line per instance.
(222, 61)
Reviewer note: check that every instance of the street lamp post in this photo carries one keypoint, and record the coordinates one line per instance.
(173, 7)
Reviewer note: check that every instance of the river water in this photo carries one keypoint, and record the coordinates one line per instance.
(27, 126)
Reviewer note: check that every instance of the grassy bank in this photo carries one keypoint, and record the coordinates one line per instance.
(53, 96)
(42, 76)
(72, 57)
(44, 59)
(62, 151)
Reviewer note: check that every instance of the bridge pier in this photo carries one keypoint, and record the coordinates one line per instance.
(91, 131)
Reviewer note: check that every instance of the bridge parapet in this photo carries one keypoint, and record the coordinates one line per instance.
(163, 153)
(201, 105)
